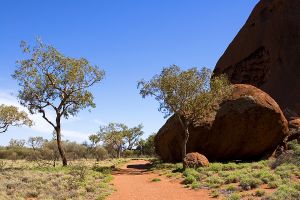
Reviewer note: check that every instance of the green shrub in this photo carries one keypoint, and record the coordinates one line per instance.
(286, 192)
(195, 185)
(189, 179)
(234, 196)
(102, 169)
(191, 172)
(230, 188)
(156, 180)
(232, 178)
(214, 181)
(259, 193)
(215, 193)
(248, 183)
(274, 184)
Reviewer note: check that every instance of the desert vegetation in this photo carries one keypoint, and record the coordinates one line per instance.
(232, 132)
(272, 179)
(82, 179)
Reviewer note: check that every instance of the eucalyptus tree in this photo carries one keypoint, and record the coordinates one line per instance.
(119, 136)
(132, 136)
(190, 95)
(11, 116)
(55, 85)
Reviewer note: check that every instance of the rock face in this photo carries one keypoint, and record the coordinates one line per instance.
(294, 124)
(194, 160)
(266, 53)
(248, 126)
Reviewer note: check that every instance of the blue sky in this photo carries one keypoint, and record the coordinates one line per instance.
(130, 40)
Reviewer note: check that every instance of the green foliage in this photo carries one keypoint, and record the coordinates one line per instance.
(248, 183)
(234, 196)
(189, 94)
(156, 180)
(215, 193)
(259, 193)
(189, 179)
(119, 137)
(76, 181)
(147, 147)
(286, 191)
(11, 116)
(49, 79)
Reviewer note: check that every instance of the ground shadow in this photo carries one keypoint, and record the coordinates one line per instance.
(133, 169)
(140, 166)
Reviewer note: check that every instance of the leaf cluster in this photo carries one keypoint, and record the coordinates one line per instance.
(190, 94)
(49, 79)
(11, 116)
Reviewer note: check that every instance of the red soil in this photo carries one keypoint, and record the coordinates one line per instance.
(134, 182)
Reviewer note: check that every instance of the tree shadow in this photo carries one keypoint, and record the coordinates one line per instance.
(140, 166)
(133, 169)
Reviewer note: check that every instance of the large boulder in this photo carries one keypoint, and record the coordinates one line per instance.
(266, 53)
(195, 160)
(247, 126)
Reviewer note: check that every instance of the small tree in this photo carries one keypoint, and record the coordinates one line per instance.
(119, 136)
(36, 142)
(147, 147)
(132, 136)
(11, 116)
(52, 81)
(191, 95)
(113, 134)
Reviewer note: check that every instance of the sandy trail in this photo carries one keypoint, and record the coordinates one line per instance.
(133, 182)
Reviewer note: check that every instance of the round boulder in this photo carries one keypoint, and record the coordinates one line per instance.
(194, 160)
(247, 126)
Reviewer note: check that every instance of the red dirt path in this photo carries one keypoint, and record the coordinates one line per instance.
(133, 182)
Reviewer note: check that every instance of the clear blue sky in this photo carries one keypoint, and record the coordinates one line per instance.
(130, 40)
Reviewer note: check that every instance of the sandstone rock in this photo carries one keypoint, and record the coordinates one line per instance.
(194, 160)
(248, 126)
(266, 53)
(294, 130)
(294, 124)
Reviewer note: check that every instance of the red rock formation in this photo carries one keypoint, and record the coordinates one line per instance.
(250, 125)
(266, 53)
(194, 160)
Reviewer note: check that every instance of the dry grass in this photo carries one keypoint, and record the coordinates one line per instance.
(81, 180)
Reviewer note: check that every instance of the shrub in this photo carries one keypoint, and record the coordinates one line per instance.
(287, 192)
(195, 185)
(248, 183)
(274, 184)
(215, 193)
(189, 179)
(234, 196)
(192, 172)
(259, 193)
(156, 180)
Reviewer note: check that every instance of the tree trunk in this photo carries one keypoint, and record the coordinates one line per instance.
(59, 145)
(119, 152)
(186, 135)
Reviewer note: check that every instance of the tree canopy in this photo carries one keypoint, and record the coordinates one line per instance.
(11, 116)
(191, 94)
(119, 136)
